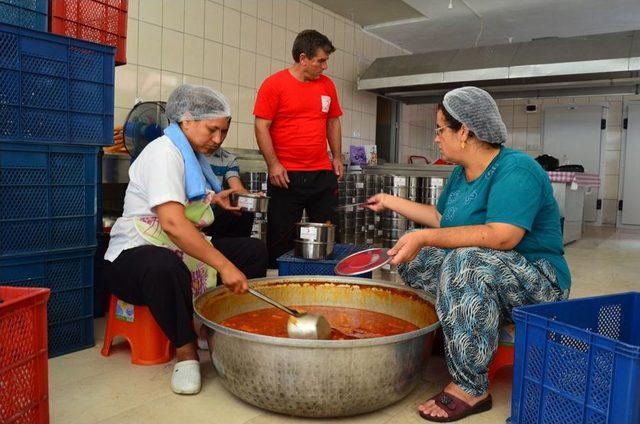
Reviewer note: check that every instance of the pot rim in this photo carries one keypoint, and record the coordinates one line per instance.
(323, 344)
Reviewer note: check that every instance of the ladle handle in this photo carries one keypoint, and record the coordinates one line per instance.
(274, 303)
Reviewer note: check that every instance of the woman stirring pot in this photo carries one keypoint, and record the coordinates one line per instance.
(157, 255)
(493, 243)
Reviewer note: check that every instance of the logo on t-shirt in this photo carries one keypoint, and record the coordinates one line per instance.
(326, 102)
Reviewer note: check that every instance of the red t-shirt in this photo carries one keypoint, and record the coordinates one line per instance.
(298, 112)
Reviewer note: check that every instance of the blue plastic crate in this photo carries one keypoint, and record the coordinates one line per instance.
(71, 336)
(30, 14)
(288, 264)
(55, 89)
(47, 198)
(69, 276)
(578, 361)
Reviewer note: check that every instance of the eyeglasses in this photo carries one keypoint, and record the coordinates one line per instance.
(438, 130)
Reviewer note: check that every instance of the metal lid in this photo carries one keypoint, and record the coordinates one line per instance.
(363, 261)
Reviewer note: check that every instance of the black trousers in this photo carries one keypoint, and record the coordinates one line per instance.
(315, 191)
(157, 278)
(227, 224)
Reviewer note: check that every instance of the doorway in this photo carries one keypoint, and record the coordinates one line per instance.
(573, 134)
(387, 116)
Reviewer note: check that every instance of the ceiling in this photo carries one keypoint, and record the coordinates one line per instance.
(420, 26)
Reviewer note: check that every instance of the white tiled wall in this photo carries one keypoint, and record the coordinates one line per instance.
(525, 133)
(232, 46)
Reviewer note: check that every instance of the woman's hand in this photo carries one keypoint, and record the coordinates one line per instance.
(377, 202)
(222, 200)
(407, 248)
(233, 278)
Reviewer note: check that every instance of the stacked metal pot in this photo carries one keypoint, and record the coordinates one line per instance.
(257, 182)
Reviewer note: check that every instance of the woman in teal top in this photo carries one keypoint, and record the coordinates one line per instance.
(493, 242)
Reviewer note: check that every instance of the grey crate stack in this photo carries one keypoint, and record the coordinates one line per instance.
(257, 182)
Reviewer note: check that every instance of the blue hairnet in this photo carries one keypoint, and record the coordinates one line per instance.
(195, 103)
(477, 110)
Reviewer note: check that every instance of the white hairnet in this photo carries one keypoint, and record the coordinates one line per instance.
(195, 103)
(477, 110)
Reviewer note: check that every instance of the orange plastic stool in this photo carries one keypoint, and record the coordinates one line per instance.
(503, 358)
(505, 353)
(149, 345)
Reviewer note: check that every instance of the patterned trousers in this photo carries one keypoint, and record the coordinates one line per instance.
(475, 290)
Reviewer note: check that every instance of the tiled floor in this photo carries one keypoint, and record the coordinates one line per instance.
(86, 388)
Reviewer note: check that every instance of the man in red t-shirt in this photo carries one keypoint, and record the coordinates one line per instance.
(296, 114)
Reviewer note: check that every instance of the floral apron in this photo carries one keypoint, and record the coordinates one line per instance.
(200, 213)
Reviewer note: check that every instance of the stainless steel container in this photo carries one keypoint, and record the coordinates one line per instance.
(320, 378)
(250, 202)
(312, 249)
(315, 231)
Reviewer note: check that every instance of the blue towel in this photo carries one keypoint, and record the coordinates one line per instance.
(198, 175)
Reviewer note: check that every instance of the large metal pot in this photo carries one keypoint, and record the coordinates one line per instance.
(320, 378)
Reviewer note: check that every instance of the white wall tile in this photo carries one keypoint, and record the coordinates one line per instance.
(277, 43)
(280, 13)
(193, 55)
(120, 115)
(133, 9)
(173, 14)
(336, 64)
(230, 64)
(216, 85)
(293, 15)
(231, 27)
(212, 60)
(519, 139)
(263, 41)
(150, 11)
(533, 140)
(277, 65)
(188, 79)
(194, 16)
(265, 10)
(234, 4)
(247, 74)
(317, 20)
(148, 84)
(248, 30)
(263, 69)
(213, 21)
(250, 7)
(231, 92)
(329, 26)
(125, 85)
(169, 82)
(132, 40)
(172, 50)
(305, 13)
(246, 100)
(150, 45)
(246, 137)
(232, 136)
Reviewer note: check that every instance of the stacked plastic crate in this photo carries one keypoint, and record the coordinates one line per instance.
(56, 109)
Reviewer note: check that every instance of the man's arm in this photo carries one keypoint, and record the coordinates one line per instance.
(334, 137)
(277, 173)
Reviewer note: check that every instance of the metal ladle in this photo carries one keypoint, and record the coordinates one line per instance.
(301, 325)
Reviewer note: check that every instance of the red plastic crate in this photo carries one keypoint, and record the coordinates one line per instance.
(23, 355)
(100, 21)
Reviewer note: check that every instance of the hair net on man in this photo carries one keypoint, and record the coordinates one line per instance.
(477, 110)
(195, 103)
